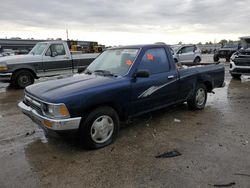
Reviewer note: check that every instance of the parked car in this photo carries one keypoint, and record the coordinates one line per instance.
(226, 52)
(240, 61)
(186, 54)
(45, 59)
(121, 83)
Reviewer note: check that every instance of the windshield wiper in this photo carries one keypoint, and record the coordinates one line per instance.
(105, 73)
(87, 71)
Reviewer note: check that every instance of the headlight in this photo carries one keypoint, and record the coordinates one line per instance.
(56, 111)
(3, 67)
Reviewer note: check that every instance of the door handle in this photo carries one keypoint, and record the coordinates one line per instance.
(171, 77)
(66, 58)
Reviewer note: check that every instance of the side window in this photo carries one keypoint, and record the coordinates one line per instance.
(187, 49)
(58, 48)
(155, 61)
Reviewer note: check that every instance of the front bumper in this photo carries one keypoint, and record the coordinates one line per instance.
(5, 77)
(48, 123)
(235, 69)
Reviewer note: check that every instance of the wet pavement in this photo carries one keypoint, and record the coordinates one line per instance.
(214, 146)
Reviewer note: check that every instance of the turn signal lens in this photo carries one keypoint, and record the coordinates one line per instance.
(48, 123)
(3, 68)
(63, 110)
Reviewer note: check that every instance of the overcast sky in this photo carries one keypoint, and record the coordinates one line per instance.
(114, 22)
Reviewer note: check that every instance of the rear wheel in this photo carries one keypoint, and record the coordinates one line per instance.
(22, 79)
(197, 60)
(100, 128)
(199, 98)
(236, 76)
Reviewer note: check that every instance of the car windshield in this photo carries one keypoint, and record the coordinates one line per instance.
(38, 49)
(175, 48)
(114, 62)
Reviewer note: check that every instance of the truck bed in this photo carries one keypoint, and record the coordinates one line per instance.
(214, 72)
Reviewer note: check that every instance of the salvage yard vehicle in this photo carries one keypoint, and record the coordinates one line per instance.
(121, 83)
(240, 61)
(45, 59)
(226, 52)
(186, 53)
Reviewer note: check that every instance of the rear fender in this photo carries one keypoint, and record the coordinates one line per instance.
(207, 80)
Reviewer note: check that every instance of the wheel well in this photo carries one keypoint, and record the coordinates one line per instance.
(26, 69)
(117, 108)
(208, 86)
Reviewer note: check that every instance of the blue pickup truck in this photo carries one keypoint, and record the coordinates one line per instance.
(121, 83)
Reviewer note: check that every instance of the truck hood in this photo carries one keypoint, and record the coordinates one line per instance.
(55, 91)
(19, 59)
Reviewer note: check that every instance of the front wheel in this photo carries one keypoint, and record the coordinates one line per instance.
(199, 98)
(100, 128)
(22, 79)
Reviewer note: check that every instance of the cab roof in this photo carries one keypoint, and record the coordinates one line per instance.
(140, 46)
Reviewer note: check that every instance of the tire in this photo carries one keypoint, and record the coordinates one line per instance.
(236, 76)
(100, 128)
(22, 79)
(216, 58)
(199, 98)
(197, 60)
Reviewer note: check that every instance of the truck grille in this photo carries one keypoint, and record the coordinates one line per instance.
(242, 63)
(34, 104)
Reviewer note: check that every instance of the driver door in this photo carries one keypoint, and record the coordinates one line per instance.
(56, 61)
(186, 54)
(160, 88)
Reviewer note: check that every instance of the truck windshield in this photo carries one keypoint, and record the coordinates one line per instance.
(230, 46)
(114, 62)
(38, 49)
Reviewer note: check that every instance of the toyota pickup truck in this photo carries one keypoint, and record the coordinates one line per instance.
(119, 84)
(45, 59)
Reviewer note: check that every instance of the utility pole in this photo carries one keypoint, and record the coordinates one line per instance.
(67, 34)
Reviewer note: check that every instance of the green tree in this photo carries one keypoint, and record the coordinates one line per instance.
(223, 41)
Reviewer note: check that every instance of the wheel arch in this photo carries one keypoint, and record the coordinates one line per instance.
(119, 110)
(27, 69)
(207, 81)
(208, 85)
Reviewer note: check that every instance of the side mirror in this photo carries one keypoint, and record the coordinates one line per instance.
(141, 74)
(54, 54)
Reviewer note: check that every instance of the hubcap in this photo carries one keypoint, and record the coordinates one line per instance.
(102, 129)
(24, 80)
(200, 96)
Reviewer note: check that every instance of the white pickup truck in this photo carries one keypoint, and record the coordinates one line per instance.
(45, 59)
